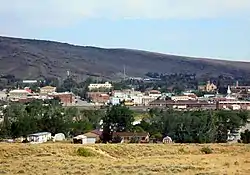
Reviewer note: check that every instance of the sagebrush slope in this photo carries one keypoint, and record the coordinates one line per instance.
(27, 58)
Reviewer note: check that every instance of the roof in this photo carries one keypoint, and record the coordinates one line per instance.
(97, 132)
(181, 102)
(80, 137)
(48, 87)
(131, 134)
(19, 91)
(40, 134)
(91, 135)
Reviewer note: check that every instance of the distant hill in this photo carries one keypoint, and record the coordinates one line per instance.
(27, 58)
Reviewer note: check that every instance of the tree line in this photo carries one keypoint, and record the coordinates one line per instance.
(40, 116)
(182, 126)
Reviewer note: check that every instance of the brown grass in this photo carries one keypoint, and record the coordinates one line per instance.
(64, 158)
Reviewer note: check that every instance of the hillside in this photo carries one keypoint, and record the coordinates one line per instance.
(63, 158)
(26, 58)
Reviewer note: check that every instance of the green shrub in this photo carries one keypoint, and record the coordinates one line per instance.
(85, 152)
(182, 150)
(206, 150)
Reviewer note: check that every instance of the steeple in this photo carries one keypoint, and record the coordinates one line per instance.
(228, 91)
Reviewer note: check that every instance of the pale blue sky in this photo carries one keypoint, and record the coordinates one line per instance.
(205, 28)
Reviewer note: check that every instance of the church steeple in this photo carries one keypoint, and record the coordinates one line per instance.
(228, 91)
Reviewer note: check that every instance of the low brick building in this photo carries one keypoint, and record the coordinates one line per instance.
(67, 98)
(233, 105)
(98, 97)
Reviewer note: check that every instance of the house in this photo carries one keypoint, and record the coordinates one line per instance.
(93, 136)
(47, 90)
(105, 85)
(80, 139)
(126, 137)
(40, 137)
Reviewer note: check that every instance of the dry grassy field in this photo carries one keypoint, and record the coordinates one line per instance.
(65, 158)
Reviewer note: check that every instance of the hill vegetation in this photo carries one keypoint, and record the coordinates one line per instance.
(25, 58)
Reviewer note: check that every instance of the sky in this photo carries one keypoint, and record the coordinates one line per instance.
(201, 28)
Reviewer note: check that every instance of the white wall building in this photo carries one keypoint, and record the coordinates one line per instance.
(182, 98)
(40, 137)
(18, 93)
(105, 85)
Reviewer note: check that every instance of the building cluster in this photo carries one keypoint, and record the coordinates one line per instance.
(190, 101)
(45, 93)
(186, 101)
(128, 97)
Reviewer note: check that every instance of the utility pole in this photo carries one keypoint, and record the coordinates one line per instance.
(124, 72)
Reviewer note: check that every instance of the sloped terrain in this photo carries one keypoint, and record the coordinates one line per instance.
(26, 58)
(64, 158)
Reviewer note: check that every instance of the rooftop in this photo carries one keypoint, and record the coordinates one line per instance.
(40, 134)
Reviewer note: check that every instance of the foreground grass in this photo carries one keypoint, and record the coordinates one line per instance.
(124, 159)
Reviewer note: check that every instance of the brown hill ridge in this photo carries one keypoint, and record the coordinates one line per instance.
(26, 58)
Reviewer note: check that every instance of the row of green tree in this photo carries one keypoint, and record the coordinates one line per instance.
(37, 116)
(194, 126)
(181, 126)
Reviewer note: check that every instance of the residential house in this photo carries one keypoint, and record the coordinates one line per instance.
(93, 136)
(80, 139)
(126, 137)
(40, 137)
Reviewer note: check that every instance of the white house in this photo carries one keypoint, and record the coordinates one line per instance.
(80, 139)
(40, 137)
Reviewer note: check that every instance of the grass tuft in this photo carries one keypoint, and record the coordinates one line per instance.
(206, 150)
(85, 152)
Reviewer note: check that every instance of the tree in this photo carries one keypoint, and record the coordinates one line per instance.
(245, 136)
(117, 119)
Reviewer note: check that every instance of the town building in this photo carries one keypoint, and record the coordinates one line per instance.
(105, 85)
(184, 97)
(47, 90)
(17, 94)
(233, 105)
(66, 98)
(29, 81)
(208, 87)
(98, 97)
(188, 104)
(154, 93)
